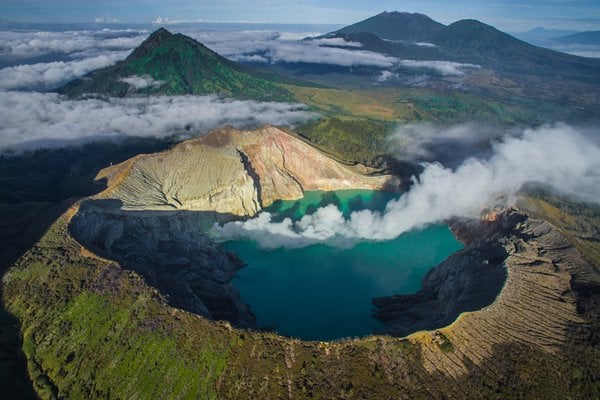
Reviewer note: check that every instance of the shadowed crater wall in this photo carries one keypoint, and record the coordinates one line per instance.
(468, 280)
(171, 252)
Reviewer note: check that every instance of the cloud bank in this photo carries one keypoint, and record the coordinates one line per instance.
(23, 45)
(313, 53)
(559, 156)
(34, 120)
(273, 47)
(45, 60)
(53, 58)
(591, 51)
(46, 76)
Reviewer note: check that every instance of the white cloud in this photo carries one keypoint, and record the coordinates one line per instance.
(296, 35)
(386, 76)
(23, 45)
(274, 47)
(142, 82)
(168, 21)
(336, 42)
(33, 120)
(255, 58)
(424, 44)
(428, 142)
(445, 68)
(591, 51)
(106, 19)
(559, 156)
(45, 76)
(304, 52)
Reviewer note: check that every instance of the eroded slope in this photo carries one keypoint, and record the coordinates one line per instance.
(234, 172)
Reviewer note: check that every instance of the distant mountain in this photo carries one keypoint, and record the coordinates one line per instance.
(401, 26)
(539, 35)
(585, 38)
(475, 42)
(174, 64)
(466, 41)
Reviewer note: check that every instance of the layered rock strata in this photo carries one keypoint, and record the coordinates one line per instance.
(234, 172)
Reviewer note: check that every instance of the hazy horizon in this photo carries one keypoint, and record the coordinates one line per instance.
(508, 15)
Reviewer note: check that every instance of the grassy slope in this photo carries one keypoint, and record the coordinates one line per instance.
(189, 67)
(35, 190)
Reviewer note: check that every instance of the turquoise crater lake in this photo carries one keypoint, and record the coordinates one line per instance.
(321, 292)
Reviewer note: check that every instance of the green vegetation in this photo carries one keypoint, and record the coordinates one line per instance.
(183, 66)
(77, 308)
(36, 188)
(349, 139)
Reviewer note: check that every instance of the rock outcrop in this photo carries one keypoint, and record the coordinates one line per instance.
(233, 172)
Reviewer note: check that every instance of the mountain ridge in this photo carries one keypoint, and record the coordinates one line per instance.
(585, 38)
(469, 41)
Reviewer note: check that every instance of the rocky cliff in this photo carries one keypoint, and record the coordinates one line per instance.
(233, 172)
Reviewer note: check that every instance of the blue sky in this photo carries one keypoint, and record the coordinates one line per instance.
(509, 15)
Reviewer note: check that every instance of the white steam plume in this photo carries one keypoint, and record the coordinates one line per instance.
(559, 156)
